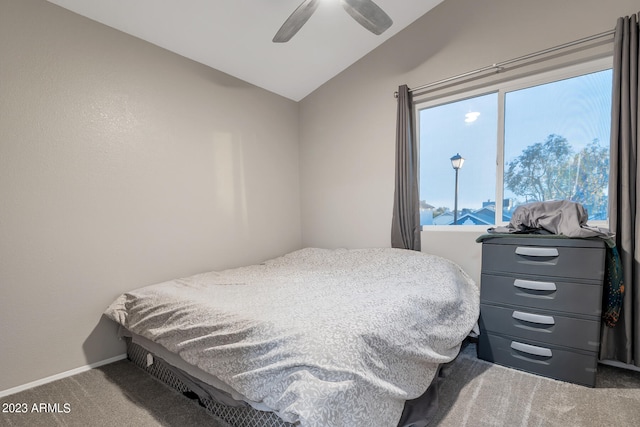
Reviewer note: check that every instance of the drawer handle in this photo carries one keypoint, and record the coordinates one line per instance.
(534, 318)
(539, 252)
(531, 349)
(534, 285)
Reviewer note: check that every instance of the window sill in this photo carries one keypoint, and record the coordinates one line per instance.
(455, 228)
(481, 229)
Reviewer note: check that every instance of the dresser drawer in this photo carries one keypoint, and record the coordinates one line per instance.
(544, 293)
(537, 358)
(541, 326)
(545, 257)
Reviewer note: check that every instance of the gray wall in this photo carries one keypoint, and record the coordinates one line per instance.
(123, 165)
(347, 126)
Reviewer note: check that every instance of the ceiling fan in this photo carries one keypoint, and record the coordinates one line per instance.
(366, 12)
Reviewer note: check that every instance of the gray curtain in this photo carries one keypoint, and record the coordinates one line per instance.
(622, 342)
(405, 226)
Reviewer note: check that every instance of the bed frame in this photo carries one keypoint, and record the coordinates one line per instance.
(228, 416)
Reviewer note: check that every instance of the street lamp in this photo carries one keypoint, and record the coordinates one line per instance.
(456, 162)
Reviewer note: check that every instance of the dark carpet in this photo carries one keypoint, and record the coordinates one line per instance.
(474, 393)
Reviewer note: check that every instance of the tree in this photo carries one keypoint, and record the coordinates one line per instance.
(439, 211)
(539, 173)
(592, 179)
(550, 170)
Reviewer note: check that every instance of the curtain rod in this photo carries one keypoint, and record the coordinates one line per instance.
(500, 65)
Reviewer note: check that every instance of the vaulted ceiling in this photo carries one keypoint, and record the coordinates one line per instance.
(235, 36)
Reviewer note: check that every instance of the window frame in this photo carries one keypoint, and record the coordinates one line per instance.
(502, 88)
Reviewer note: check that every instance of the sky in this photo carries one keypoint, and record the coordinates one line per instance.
(578, 109)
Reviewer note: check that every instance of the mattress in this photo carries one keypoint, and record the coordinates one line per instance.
(319, 337)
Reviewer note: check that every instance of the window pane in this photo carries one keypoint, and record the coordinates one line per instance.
(467, 127)
(557, 143)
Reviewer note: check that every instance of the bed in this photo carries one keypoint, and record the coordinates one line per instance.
(314, 338)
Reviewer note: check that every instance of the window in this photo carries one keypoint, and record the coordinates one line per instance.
(541, 138)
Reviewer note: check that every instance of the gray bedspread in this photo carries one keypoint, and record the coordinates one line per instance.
(323, 337)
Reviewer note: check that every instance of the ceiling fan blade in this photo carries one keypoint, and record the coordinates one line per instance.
(368, 14)
(294, 22)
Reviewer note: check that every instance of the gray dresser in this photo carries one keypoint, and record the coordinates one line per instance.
(540, 305)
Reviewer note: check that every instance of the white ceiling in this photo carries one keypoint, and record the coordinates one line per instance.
(234, 36)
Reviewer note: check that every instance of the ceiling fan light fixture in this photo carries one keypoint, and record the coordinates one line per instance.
(295, 21)
(368, 14)
(365, 12)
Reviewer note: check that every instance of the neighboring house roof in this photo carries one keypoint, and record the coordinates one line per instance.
(483, 216)
(444, 219)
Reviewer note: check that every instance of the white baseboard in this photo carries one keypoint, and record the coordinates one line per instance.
(56, 377)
